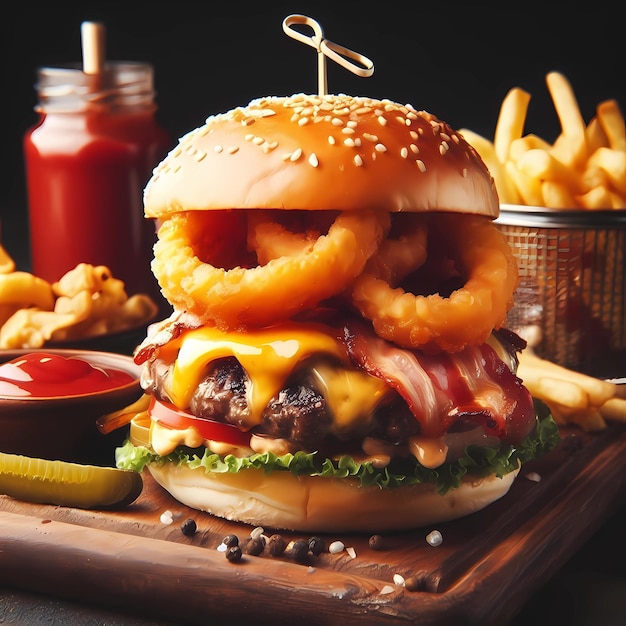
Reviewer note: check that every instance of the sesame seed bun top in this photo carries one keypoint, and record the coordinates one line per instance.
(322, 152)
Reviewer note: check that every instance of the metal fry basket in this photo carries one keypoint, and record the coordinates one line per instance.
(570, 302)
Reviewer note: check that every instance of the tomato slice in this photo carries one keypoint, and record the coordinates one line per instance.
(171, 416)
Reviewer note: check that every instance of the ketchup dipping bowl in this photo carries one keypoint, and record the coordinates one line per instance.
(50, 401)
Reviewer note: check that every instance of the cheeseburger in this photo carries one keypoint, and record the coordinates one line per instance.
(336, 359)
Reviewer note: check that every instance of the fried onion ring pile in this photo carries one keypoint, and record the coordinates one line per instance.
(189, 263)
(433, 321)
(283, 263)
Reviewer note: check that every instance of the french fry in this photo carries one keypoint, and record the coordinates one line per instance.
(595, 136)
(585, 167)
(614, 409)
(507, 191)
(590, 419)
(529, 188)
(7, 264)
(596, 198)
(557, 195)
(599, 391)
(511, 121)
(612, 123)
(566, 105)
(613, 163)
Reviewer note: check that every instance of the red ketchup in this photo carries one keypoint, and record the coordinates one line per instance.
(44, 375)
(87, 162)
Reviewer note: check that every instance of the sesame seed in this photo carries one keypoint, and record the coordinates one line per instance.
(404, 153)
(348, 142)
(379, 147)
(233, 149)
(295, 117)
(445, 136)
(464, 172)
(351, 124)
(313, 160)
(337, 122)
(200, 155)
(296, 154)
(302, 121)
(382, 121)
(357, 142)
(370, 137)
(249, 137)
(358, 161)
(347, 131)
(331, 140)
(443, 148)
(218, 149)
(414, 148)
(363, 110)
(258, 141)
(248, 121)
(421, 165)
(413, 134)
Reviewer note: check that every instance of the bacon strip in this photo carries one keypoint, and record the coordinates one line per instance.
(472, 385)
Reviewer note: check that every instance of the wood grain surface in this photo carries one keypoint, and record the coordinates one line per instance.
(486, 568)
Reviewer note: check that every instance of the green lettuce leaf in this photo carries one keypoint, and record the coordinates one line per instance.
(477, 461)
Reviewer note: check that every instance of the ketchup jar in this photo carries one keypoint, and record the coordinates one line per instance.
(87, 161)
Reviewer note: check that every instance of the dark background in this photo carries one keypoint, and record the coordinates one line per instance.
(456, 60)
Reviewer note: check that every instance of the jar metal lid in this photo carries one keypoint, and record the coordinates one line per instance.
(68, 88)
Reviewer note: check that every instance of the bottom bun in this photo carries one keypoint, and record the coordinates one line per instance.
(303, 503)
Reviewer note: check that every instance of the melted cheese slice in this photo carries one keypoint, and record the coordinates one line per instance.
(270, 356)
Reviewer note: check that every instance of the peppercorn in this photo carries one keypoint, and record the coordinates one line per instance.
(376, 542)
(255, 546)
(276, 545)
(188, 527)
(230, 540)
(414, 583)
(233, 554)
(317, 545)
(299, 550)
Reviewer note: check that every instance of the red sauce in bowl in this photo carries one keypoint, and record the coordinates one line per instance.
(45, 375)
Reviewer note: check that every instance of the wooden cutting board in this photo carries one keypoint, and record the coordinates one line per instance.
(486, 568)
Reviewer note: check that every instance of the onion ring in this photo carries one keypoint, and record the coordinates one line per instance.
(187, 268)
(433, 322)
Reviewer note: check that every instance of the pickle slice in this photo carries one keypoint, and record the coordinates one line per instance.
(67, 484)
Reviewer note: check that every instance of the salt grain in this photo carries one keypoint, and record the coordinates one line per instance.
(335, 547)
(434, 538)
